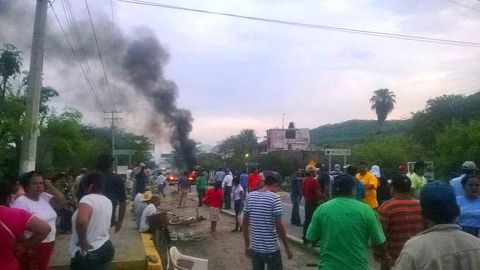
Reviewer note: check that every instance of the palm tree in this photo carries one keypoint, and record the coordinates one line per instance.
(383, 102)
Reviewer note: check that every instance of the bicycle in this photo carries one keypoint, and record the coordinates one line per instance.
(185, 220)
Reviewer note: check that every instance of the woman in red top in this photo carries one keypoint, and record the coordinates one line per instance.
(13, 223)
(214, 199)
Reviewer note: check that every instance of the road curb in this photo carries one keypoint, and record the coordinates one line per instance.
(292, 239)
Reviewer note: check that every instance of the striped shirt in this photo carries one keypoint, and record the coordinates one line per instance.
(262, 207)
(401, 219)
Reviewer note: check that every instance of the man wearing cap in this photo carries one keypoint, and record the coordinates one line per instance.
(312, 192)
(468, 167)
(151, 209)
(345, 227)
(443, 245)
(262, 225)
(418, 178)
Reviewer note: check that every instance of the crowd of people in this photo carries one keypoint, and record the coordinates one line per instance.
(86, 208)
(408, 221)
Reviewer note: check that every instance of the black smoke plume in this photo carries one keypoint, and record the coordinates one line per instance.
(144, 63)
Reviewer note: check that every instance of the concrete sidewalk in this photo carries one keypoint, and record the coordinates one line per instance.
(129, 252)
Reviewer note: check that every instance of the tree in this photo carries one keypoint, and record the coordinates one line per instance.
(457, 143)
(383, 102)
(387, 151)
(10, 63)
(234, 149)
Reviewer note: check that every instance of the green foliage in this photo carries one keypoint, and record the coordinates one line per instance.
(457, 143)
(284, 162)
(235, 150)
(387, 151)
(10, 63)
(439, 113)
(66, 144)
(352, 131)
(209, 161)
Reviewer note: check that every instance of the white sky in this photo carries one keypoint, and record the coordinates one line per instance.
(235, 74)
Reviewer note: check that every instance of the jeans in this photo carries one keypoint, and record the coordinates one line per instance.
(273, 261)
(182, 199)
(295, 219)
(309, 210)
(201, 194)
(227, 197)
(98, 259)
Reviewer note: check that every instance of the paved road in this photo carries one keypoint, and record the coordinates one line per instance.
(297, 231)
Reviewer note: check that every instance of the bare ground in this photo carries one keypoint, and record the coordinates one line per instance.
(223, 249)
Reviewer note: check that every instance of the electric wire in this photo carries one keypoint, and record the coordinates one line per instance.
(78, 58)
(463, 5)
(107, 84)
(315, 26)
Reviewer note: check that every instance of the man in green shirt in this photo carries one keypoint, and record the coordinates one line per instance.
(418, 178)
(344, 227)
(201, 183)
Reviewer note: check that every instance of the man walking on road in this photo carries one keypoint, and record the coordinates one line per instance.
(253, 180)
(296, 196)
(183, 189)
(345, 228)
(161, 183)
(312, 193)
(244, 183)
(201, 183)
(219, 175)
(262, 225)
(227, 190)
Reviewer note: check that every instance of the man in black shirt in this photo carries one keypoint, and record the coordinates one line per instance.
(114, 190)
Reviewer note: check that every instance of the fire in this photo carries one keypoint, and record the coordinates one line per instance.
(312, 163)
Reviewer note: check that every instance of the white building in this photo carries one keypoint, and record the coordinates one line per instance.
(288, 139)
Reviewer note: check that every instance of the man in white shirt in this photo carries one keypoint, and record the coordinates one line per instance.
(160, 182)
(151, 209)
(227, 190)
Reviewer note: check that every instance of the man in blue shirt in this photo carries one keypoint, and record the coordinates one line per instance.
(468, 167)
(244, 182)
(219, 175)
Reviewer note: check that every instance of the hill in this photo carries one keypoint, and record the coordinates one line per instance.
(352, 131)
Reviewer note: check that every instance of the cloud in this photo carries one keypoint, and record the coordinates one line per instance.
(236, 74)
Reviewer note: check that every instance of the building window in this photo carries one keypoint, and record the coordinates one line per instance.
(289, 146)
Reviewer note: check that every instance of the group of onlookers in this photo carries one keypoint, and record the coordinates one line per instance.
(28, 218)
(416, 225)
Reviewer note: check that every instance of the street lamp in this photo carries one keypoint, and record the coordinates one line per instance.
(246, 160)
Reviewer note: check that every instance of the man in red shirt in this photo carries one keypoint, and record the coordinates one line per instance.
(312, 192)
(401, 218)
(253, 180)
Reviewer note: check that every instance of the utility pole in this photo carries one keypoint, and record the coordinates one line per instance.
(29, 142)
(113, 118)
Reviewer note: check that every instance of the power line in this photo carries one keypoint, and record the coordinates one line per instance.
(316, 26)
(77, 57)
(463, 5)
(100, 56)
